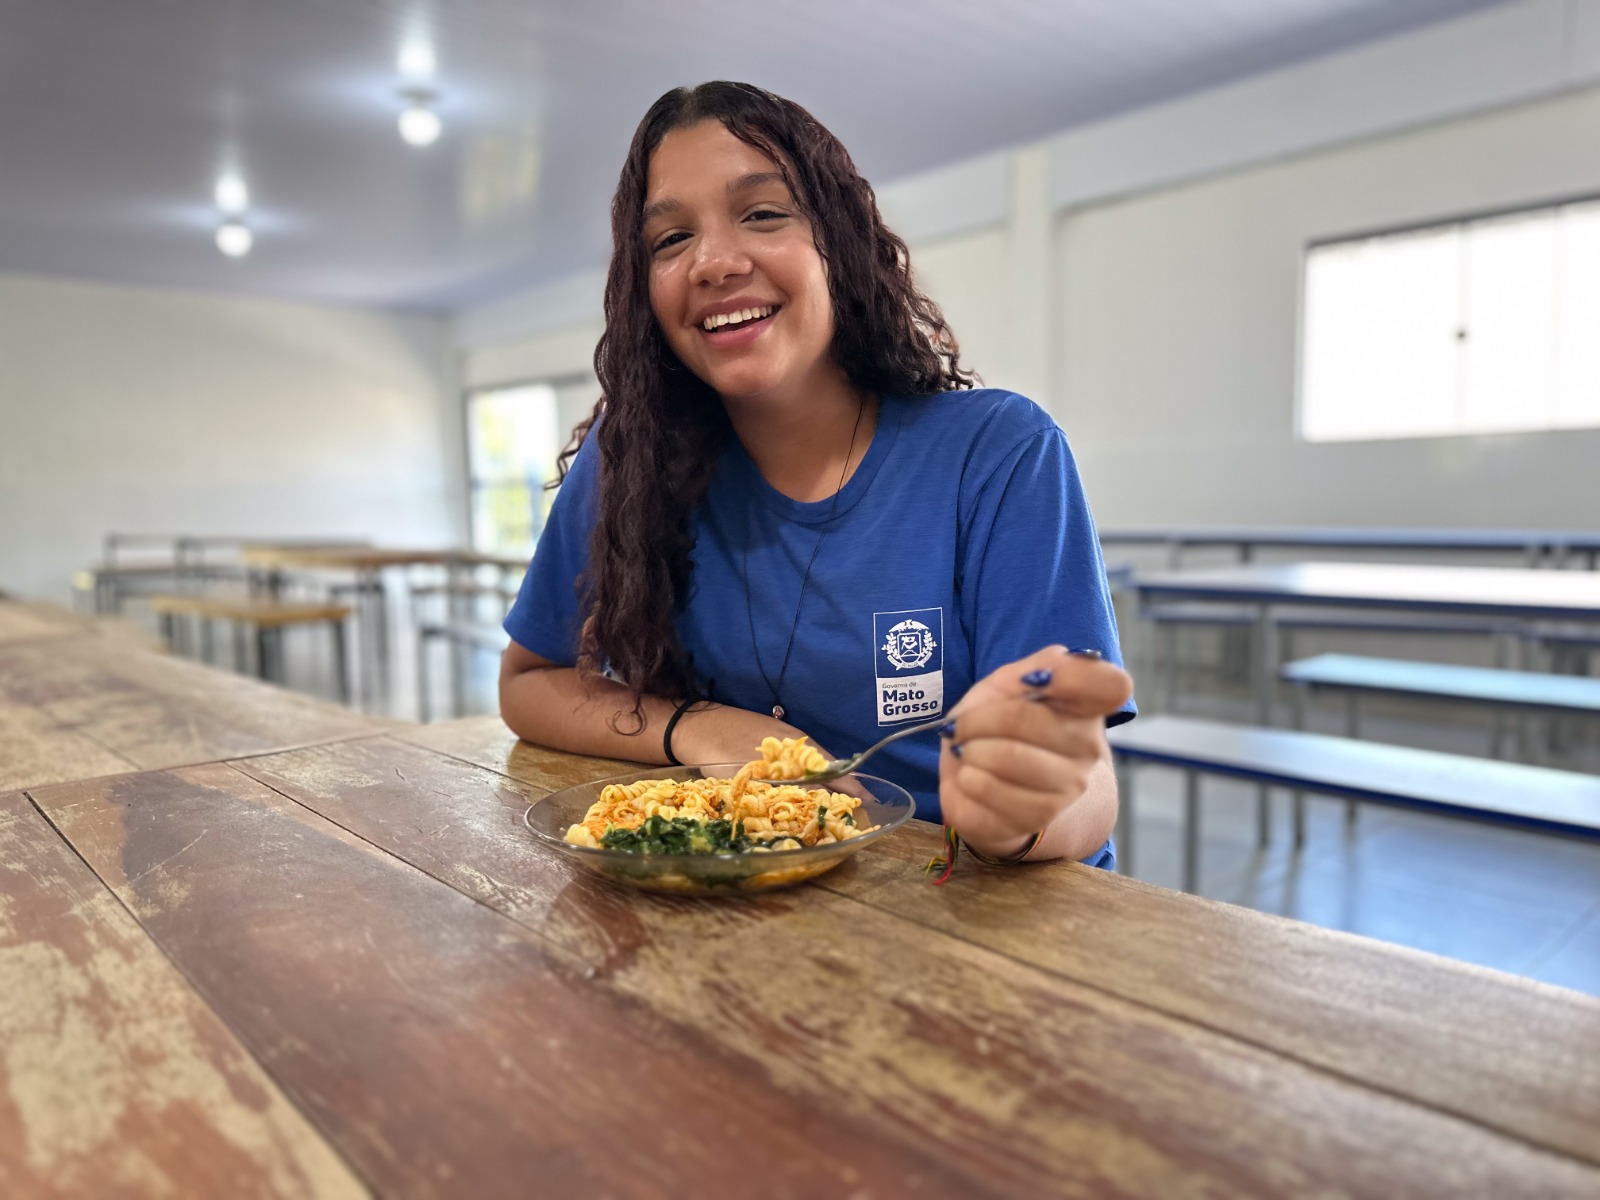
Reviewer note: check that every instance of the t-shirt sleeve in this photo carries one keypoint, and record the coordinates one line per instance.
(546, 618)
(1031, 570)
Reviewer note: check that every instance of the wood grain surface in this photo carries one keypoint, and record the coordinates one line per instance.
(439, 1046)
(34, 749)
(486, 742)
(264, 614)
(156, 711)
(1489, 1047)
(1044, 1084)
(115, 1078)
(23, 621)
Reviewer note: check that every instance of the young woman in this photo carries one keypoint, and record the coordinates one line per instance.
(790, 514)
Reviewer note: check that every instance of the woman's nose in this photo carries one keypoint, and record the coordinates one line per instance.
(717, 257)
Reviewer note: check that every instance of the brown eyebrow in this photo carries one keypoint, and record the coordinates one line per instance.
(744, 183)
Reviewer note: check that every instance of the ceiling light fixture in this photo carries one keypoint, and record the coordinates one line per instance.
(419, 124)
(416, 60)
(234, 239)
(232, 196)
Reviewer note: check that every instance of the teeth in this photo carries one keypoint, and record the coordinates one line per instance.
(744, 314)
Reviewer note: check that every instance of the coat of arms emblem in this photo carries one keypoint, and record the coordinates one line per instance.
(910, 644)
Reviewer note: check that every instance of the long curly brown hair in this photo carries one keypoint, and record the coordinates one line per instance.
(664, 428)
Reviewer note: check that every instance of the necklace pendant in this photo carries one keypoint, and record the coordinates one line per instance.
(777, 711)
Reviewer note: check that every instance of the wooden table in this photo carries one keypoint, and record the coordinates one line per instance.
(1516, 593)
(1521, 594)
(349, 967)
(79, 705)
(269, 562)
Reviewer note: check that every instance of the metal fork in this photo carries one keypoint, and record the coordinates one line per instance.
(844, 766)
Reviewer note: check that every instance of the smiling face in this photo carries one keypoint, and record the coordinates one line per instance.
(728, 246)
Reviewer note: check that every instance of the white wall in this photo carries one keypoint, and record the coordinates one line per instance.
(138, 410)
(1156, 315)
(1177, 330)
(967, 276)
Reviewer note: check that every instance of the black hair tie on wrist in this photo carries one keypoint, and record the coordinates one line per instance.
(666, 735)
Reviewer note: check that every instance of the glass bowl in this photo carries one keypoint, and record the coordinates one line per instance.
(883, 804)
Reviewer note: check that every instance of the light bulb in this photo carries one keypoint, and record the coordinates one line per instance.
(232, 196)
(234, 240)
(416, 60)
(420, 125)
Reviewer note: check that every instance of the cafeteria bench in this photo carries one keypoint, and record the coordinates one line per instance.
(1536, 798)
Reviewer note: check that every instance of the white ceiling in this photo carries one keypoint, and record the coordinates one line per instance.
(116, 116)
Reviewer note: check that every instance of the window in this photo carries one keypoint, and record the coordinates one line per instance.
(513, 438)
(1482, 326)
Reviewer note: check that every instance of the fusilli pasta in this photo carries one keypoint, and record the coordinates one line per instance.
(721, 815)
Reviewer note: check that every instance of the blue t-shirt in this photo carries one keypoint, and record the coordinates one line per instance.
(962, 542)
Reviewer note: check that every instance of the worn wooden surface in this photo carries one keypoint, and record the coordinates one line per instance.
(35, 749)
(486, 742)
(31, 620)
(1423, 1027)
(441, 1047)
(155, 711)
(456, 1010)
(1048, 1085)
(23, 621)
(115, 1077)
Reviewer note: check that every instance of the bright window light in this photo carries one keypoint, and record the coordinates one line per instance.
(513, 437)
(1472, 327)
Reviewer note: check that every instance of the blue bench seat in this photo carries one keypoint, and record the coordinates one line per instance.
(1484, 685)
(1527, 797)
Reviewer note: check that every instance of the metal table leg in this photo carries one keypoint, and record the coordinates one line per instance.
(341, 667)
(1266, 671)
(1191, 831)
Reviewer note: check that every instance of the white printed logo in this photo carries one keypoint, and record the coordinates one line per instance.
(910, 664)
(909, 645)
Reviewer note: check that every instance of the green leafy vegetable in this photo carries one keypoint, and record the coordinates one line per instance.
(678, 835)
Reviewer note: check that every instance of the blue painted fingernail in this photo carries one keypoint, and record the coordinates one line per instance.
(1085, 654)
(955, 748)
(1039, 678)
(948, 729)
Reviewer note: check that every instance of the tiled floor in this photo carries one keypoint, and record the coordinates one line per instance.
(1520, 902)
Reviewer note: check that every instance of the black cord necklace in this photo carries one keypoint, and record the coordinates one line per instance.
(744, 566)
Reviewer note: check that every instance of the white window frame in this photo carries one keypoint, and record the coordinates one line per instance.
(1563, 378)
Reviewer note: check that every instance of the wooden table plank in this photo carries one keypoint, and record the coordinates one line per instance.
(437, 1044)
(115, 1078)
(1049, 1086)
(1490, 1047)
(487, 742)
(157, 711)
(22, 621)
(37, 750)
(33, 620)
